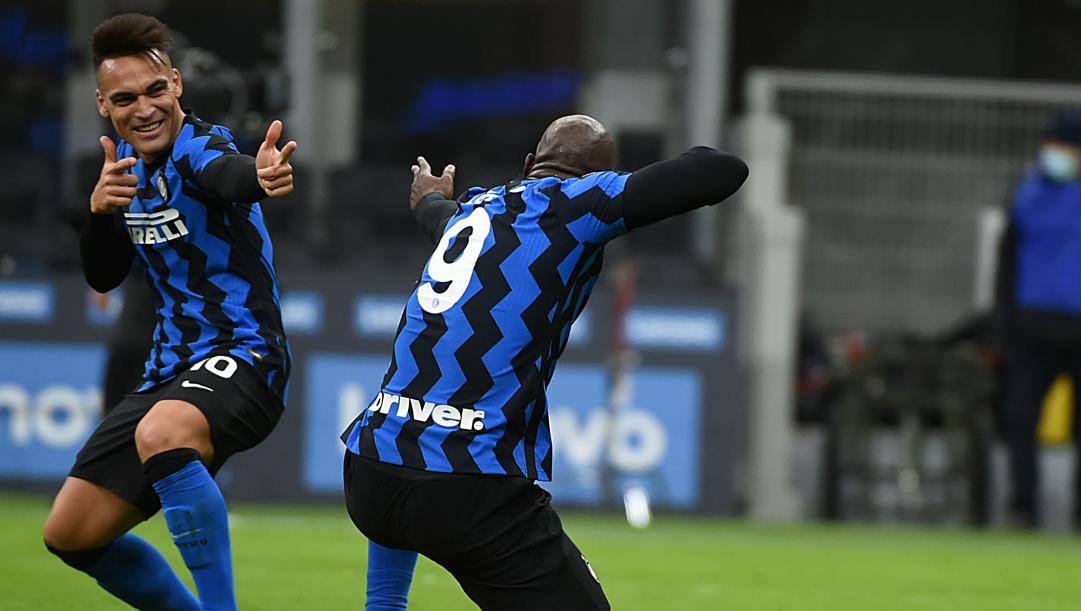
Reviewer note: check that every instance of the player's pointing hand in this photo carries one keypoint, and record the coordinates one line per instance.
(424, 182)
(272, 165)
(116, 188)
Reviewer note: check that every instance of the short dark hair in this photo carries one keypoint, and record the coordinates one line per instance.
(131, 34)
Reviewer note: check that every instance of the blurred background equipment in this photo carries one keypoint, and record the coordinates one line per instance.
(910, 434)
(893, 175)
(622, 362)
(792, 360)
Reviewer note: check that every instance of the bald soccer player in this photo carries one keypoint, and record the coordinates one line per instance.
(445, 459)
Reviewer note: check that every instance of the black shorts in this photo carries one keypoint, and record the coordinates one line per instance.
(240, 408)
(123, 373)
(498, 536)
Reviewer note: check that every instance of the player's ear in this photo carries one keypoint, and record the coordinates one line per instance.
(104, 112)
(530, 159)
(178, 83)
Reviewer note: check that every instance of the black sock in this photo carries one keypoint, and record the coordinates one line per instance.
(164, 464)
(80, 560)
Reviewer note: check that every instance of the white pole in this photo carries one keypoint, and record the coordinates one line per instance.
(770, 240)
(992, 224)
(708, 34)
(82, 125)
(303, 33)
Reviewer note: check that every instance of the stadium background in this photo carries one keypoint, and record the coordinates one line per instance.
(883, 139)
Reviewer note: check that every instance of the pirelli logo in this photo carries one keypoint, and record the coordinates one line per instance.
(155, 227)
(423, 411)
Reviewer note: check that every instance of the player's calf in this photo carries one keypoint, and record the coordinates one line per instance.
(198, 520)
(86, 516)
(87, 530)
(133, 571)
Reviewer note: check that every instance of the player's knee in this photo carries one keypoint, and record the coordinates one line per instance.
(64, 539)
(154, 436)
(175, 425)
(55, 537)
(157, 435)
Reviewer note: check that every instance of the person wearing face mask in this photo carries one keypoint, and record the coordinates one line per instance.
(1038, 309)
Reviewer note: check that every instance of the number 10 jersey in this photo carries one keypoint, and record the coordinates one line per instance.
(479, 338)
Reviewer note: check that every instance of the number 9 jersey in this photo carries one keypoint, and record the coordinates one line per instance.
(479, 338)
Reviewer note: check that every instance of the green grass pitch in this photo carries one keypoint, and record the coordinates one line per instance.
(296, 558)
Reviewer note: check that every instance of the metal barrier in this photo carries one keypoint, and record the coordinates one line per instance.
(863, 210)
(891, 173)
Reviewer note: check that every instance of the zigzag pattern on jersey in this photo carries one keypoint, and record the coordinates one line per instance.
(517, 444)
(175, 334)
(428, 373)
(537, 359)
(406, 369)
(460, 447)
(492, 338)
(467, 379)
(257, 319)
(270, 328)
(199, 314)
(366, 441)
(243, 247)
(529, 285)
(193, 304)
(586, 270)
(196, 138)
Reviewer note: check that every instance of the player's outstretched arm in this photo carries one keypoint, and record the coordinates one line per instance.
(242, 178)
(432, 198)
(702, 176)
(105, 247)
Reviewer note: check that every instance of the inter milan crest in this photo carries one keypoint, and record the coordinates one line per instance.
(163, 187)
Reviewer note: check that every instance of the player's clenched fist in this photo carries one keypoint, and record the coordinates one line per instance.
(115, 188)
(272, 166)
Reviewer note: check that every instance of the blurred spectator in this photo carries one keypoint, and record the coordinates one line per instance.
(131, 337)
(1039, 301)
(814, 373)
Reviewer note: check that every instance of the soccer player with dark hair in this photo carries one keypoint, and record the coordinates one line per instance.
(175, 192)
(445, 458)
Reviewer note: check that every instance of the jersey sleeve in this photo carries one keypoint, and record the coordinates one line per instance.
(433, 212)
(106, 251)
(212, 161)
(618, 203)
(596, 202)
(199, 151)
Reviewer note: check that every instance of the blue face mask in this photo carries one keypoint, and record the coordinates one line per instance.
(1058, 164)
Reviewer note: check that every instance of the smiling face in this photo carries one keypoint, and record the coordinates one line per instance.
(140, 94)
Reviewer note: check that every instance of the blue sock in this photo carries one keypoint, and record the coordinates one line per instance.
(390, 573)
(136, 573)
(197, 518)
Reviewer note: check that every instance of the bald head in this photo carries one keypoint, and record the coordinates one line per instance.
(572, 146)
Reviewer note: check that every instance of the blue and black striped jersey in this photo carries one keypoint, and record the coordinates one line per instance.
(479, 338)
(209, 260)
